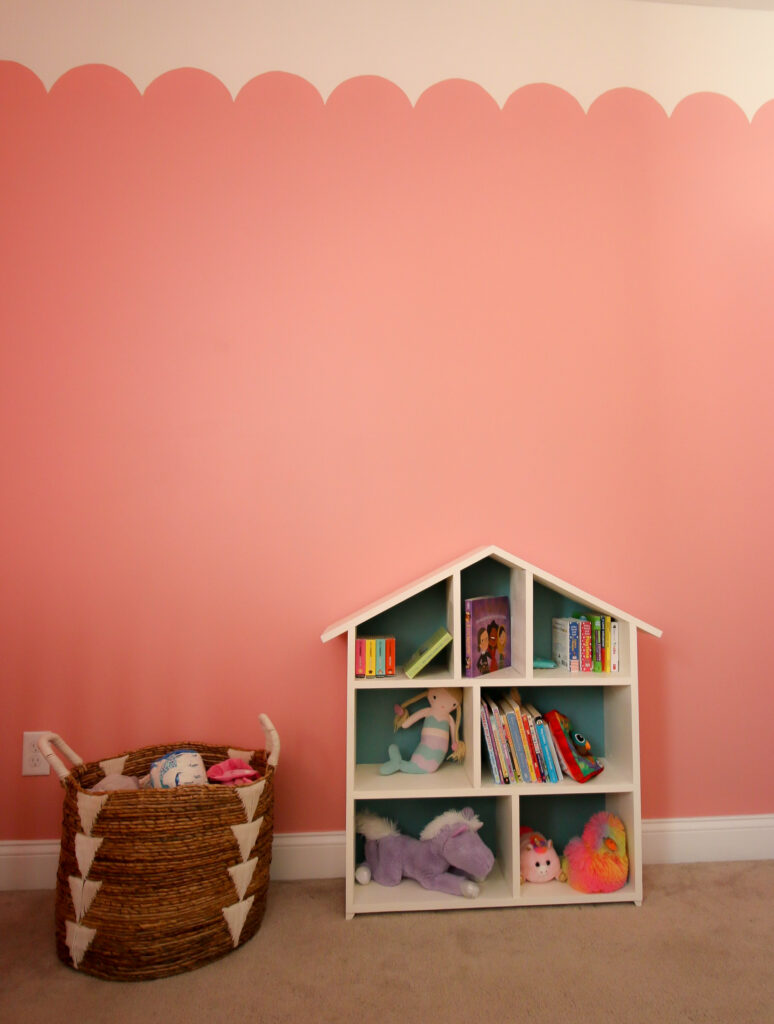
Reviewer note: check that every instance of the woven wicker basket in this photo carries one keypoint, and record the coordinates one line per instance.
(156, 882)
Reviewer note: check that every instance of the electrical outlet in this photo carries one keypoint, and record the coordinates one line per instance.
(33, 762)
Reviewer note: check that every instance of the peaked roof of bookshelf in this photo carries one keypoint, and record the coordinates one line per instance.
(444, 571)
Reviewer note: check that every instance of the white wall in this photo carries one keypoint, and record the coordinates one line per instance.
(668, 50)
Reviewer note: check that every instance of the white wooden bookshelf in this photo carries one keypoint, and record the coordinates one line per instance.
(602, 705)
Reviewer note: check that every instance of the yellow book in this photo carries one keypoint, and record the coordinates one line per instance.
(370, 657)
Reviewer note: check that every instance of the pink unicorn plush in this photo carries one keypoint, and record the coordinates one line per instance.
(539, 860)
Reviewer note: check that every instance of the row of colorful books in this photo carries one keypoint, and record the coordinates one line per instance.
(518, 740)
(586, 644)
(374, 656)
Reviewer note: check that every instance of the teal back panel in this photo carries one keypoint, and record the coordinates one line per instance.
(374, 716)
(485, 578)
(411, 622)
(560, 817)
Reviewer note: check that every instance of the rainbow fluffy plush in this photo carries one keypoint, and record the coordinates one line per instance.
(597, 861)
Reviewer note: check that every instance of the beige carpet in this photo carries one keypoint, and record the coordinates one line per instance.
(700, 949)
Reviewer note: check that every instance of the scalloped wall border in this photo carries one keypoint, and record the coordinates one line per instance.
(432, 94)
(586, 47)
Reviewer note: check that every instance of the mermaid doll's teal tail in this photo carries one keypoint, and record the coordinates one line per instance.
(397, 764)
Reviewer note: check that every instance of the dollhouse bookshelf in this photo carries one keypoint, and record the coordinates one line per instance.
(603, 705)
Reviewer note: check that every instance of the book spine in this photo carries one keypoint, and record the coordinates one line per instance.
(560, 643)
(531, 748)
(511, 745)
(389, 656)
(518, 746)
(554, 752)
(370, 657)
(531, 776)
(586, 659)
(596, 643)
(507, 763)
(360, 652)
(538, 751)
(380, 656)
(614, 658)
(469, 656)
(486, 728)
(499, 739)
(606, 659)
(541, 728)
(574, 645)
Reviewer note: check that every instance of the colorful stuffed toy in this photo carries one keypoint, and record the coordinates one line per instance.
(573, 749)
(597, 860)
(449, 855)
(438, 730)
(539, 860)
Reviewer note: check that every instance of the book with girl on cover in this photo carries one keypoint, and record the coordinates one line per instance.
(487, 635)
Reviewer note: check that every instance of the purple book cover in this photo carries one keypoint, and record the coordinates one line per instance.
(487, 635)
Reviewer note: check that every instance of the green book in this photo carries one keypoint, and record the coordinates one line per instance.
(427, 651)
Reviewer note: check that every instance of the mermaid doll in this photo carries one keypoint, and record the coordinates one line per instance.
(439, 729)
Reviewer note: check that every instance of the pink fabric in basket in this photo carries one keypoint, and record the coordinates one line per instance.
(232, 772)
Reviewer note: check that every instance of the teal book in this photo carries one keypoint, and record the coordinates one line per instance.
(427, 651)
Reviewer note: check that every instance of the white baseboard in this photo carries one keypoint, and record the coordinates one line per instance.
(32, 864)
(690, 840)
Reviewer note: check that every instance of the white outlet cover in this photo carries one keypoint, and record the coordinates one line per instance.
(33, 762)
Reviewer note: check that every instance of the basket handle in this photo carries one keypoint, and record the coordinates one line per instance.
(46, 742)
(272, 739)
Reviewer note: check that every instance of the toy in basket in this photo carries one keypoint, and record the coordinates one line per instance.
(155, 881)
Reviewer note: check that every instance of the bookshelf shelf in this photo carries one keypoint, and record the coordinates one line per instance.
(604, 705)
(370, 785)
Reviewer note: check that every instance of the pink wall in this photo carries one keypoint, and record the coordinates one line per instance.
(265, 360)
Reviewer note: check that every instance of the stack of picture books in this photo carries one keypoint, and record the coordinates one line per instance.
(517, 739)
(585, 644)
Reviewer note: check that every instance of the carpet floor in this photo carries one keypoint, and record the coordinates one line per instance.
(700, 949)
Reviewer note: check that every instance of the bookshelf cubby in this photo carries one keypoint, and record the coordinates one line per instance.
(604, 706)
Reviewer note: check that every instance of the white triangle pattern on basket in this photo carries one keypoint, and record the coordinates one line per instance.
(235, 916)
(85, 851)
(242, 875)
(83, 892)
(78, 938)
(89, 806)
(243, 755)
(250, 795)
(246, 835)
(114, 765)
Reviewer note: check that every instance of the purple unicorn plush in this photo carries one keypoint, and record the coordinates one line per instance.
(450, 841)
